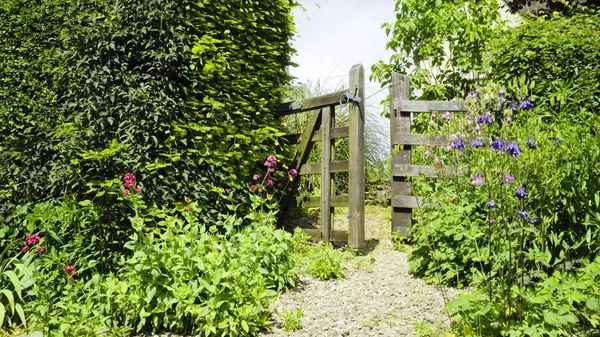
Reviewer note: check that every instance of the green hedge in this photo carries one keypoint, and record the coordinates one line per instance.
(561, 55)
(178, 92)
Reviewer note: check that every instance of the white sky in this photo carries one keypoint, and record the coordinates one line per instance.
(333, 35)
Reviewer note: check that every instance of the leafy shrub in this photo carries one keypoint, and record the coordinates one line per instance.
(180, 92)
(322, 261)
(526, 210)
(292, 319)
(557, 55)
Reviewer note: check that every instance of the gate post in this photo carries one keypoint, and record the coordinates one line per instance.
(400, 123)
(356, 175)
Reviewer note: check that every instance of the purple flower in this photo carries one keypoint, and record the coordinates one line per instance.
(488, 118)
(349, 216)
(521, 193)
(558, 140)
(523, 214)
(530, 143)
(498, 144)
(427, 153)
(508, 179)
(500, 96)
(477, 143)
(472, 95)
(480, 119)
(293, 173)
(458, 145)
(447, 115)
(477, 180)
(512, 106)
(513, 148)
(524, 183)
(525, 105)
(508, 118)
(491, 204)
(533, 221)
(432, 122)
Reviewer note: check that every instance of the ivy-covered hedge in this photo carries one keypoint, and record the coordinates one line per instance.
(178, 92)
(560, 55)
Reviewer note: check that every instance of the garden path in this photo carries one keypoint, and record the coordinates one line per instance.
(377, 297)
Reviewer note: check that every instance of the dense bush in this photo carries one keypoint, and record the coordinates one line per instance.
(523, 218)
(180, 92)
(560, 55)
(181, 276)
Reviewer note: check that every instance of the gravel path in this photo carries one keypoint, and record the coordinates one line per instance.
(377, 297)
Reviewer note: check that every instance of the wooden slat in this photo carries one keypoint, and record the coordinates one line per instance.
(313, 103)
(325, 171)
(315, 201)
(356, 152)
(400, 138)
(302, 155)
(403, 170)
(315, 168)
(428, 106)
(400, 123)
(405, 201)
(336, 133)
(335, 235)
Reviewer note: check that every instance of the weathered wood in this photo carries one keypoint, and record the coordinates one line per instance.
(333, 191)
(356, 175)
(315, 201)
(325, 171)
(316, 235)
(315, 168)
(428, 106)
(405, 170)
(302, 155)
(400, 123)
(312, 103)
(400, 138)
(336, 133)
(404, 201)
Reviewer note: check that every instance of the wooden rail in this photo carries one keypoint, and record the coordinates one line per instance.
(321, 128)
(401, 110)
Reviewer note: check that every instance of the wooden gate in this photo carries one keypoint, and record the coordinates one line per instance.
(322, 128)
(401, 111)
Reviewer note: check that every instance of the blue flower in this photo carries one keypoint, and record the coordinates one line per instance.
(480, 119)
(513, 148)
(512, 106)
(458, 145)
(498, 144)
(533, 221)
(558, 140)
(523, 214)
(531, 143)
(491, 204)
(477, 143)
(521, 193)
(525, 105)
(488, 118)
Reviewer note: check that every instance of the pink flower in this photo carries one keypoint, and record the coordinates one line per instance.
(187, 199)
(129, 177)
(138, 190)
(32, 239)
(42, 249)
(126, 192)
(191, 209)
(272, 170)
(260, 187)
(252, 188)
(293, 173)
(129, 184)
(477, 180)
(289, 188)
(270, 182)
(508, 179)
(271, 161)
(492, 221)
(69, 270)
(453, 200)
(269, 196)
(256, 177)
(25, 249)
(280, 185)
(228, 191)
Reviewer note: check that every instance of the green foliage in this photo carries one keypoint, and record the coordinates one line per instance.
(321, 261)
(178, 92)
(439, 43)
(561, 56)
(180, 275)
(518, 221)
(550, 7)
(292, 319)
